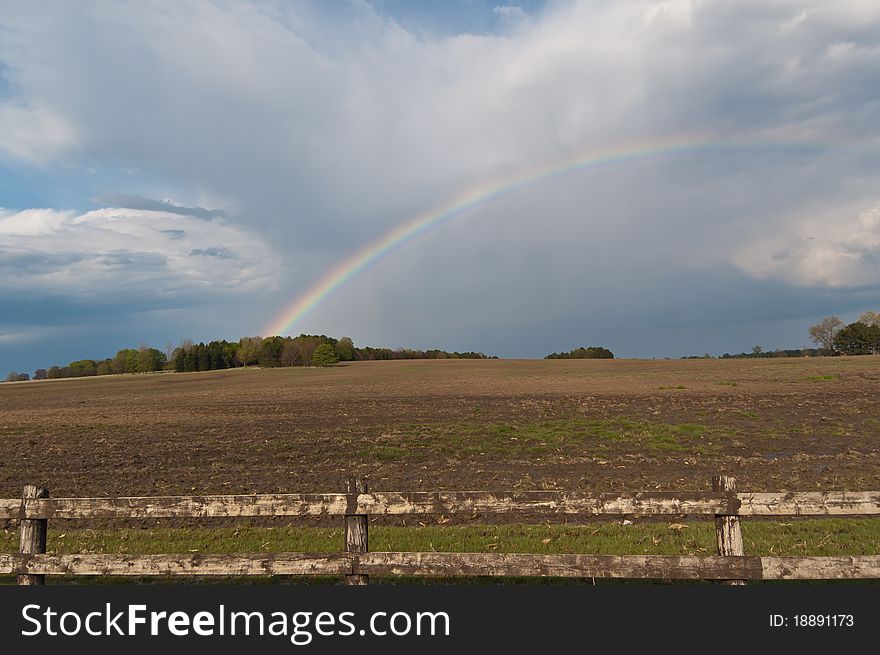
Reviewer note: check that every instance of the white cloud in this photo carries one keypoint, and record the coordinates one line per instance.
(106, 253)
(510, 12)
(829, 251)
(34, 133)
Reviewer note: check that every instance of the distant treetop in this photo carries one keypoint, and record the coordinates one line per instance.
(593, 352)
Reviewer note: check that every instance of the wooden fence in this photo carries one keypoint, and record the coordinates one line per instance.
(357, 563)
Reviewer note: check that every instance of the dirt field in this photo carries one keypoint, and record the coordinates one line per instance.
(422, 425)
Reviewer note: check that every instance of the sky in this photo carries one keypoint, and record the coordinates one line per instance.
(193, 170)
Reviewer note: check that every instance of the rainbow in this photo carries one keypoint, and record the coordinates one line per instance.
(479, 196)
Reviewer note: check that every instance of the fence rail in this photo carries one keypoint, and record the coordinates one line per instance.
(712, 567)
(799, 503)
(731, 564)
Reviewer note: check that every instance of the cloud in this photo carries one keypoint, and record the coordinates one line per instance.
(836, 251)
(220, 253)
(22, 334)
(107, 254)
(318, 129)
(168, 206)
(34, 133)
(510, 12)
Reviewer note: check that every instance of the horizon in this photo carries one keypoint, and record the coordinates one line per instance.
(489, 355)
(659, 178)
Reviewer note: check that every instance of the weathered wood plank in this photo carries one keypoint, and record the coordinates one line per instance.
(622, 566)
(810, 503)
(189, 506)
(586, 566)
(451, 564)
(804, 503)
(821, 568)
(547, 502)
(183, 564)
(444, 502)
(9, 508)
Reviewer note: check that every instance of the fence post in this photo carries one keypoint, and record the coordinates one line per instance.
(356, 531)
(32, 533)
(728, 533)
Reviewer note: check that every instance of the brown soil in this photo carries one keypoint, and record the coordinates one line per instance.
(421, 425)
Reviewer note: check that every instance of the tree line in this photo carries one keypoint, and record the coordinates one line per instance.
(859, 338)
(127, 360)
(593, 352)
(269, 352)
(759, 352)
(304, 350)
(831, 338)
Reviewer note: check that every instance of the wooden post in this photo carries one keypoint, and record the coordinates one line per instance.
(32, 534)
(356, 531)
(728, 533)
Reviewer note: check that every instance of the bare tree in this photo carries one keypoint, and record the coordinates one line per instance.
(823, 332)
(870, 319)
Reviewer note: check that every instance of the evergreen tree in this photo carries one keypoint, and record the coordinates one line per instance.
(324, 355)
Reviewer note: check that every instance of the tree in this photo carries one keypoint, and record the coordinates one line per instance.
(307, 345)
(822, 334)
(82, 368)
(126, 361)
(40, 374)
(191, 360)
(345, 349)
(249, 350)
(269, 354)
(593, 352)
(324, 355)
(871, 319)
(858, 339)
(203, 357)
(757, 351)
(12, 376)
(150, 360)
(292, 353)
(54, 373)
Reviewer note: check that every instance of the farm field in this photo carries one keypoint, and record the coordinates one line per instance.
(775, 424)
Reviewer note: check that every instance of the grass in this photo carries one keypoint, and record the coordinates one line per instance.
(798, 537)
(821, 378)
(678, 387)
(541, 438)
